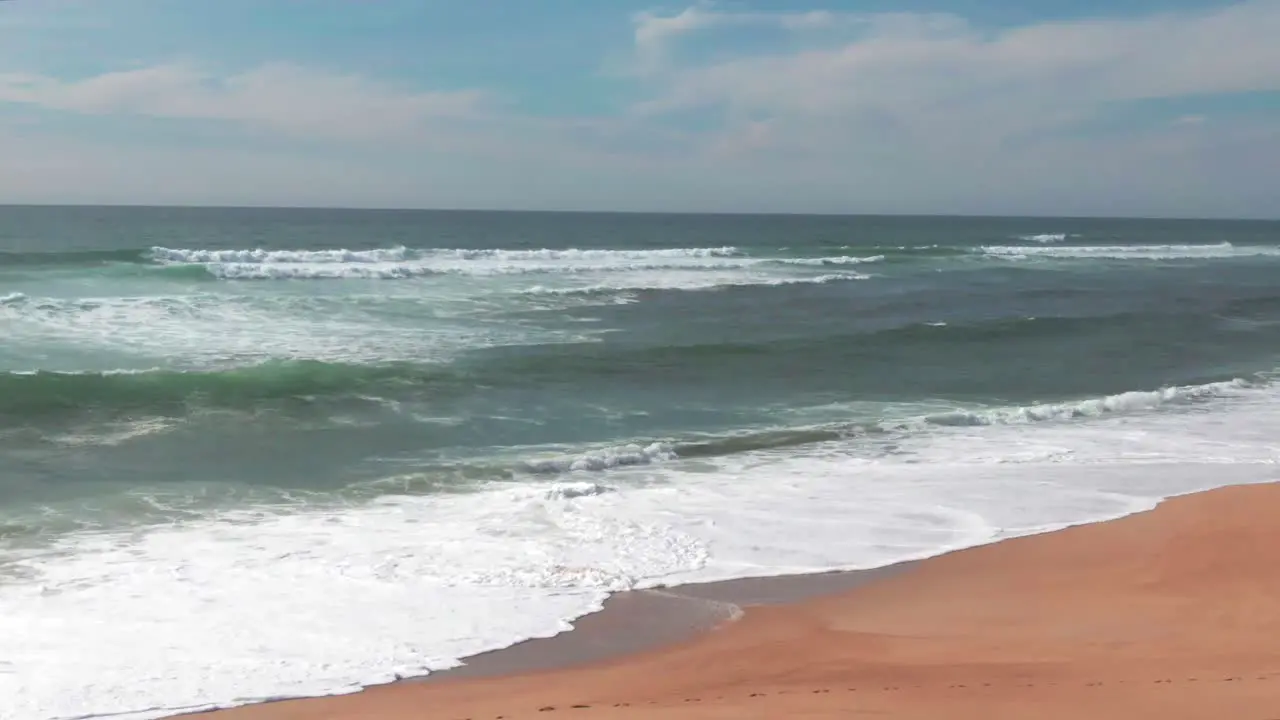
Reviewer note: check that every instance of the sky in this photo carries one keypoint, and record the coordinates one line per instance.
(1040, 107)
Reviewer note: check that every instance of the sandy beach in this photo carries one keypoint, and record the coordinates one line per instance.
(1171, 614)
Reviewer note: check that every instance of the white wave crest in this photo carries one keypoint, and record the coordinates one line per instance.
(578, 254)
(818, 280)
(840, 260)
(603, 459)
(1044, 238)
(400, 263)
(260, 256)
(688, 282)
(11, 298)
(1131, 252)
(1094, 407)
(319, 271)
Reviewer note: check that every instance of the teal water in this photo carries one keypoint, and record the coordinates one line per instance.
(169, 368)
(434, 340)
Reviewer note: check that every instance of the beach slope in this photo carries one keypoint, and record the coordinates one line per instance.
(1174, 613)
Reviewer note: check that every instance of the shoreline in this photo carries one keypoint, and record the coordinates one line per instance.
(1169, 610)
(637, 621)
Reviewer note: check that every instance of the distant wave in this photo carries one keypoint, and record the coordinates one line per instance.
(690, 284)
(574, 254)
(259, 256)
(401, 253)
(317, 271)
(402, 263)
(1044, 238)
(841, 260)
(1131, 252)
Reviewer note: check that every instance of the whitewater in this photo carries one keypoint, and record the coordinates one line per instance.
(368, 446)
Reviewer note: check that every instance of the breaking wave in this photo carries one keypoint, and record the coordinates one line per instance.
(689, 283)
(401, 263)
(602, 459)
(651, 452)
(839, 260)
(1044, 238)
(1093, 407)
(1127, 402)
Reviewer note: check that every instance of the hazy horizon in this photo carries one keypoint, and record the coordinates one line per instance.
(678, 213)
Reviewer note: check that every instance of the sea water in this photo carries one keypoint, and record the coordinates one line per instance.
(251, 454)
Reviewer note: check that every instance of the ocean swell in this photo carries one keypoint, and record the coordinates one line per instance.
(161, 392)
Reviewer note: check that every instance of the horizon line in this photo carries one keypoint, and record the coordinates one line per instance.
(677, 213)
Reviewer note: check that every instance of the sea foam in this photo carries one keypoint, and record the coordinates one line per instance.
(263, 604)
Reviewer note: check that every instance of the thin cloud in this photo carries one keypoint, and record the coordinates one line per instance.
(927, 78)
(278, 97)
(655, 34)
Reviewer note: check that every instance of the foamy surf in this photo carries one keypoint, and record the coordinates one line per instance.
(514, 563)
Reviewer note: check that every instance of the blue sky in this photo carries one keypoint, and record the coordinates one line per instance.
(1041, 107)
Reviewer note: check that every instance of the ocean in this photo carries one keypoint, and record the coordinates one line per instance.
(262, 453)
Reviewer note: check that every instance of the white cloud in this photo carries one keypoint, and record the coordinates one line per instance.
(935, 87)
(654, 34)
(277, 97)
(911, 113)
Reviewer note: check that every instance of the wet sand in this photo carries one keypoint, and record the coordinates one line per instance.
(1173, 613)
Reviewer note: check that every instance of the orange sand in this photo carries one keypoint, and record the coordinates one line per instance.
(1169, 614)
